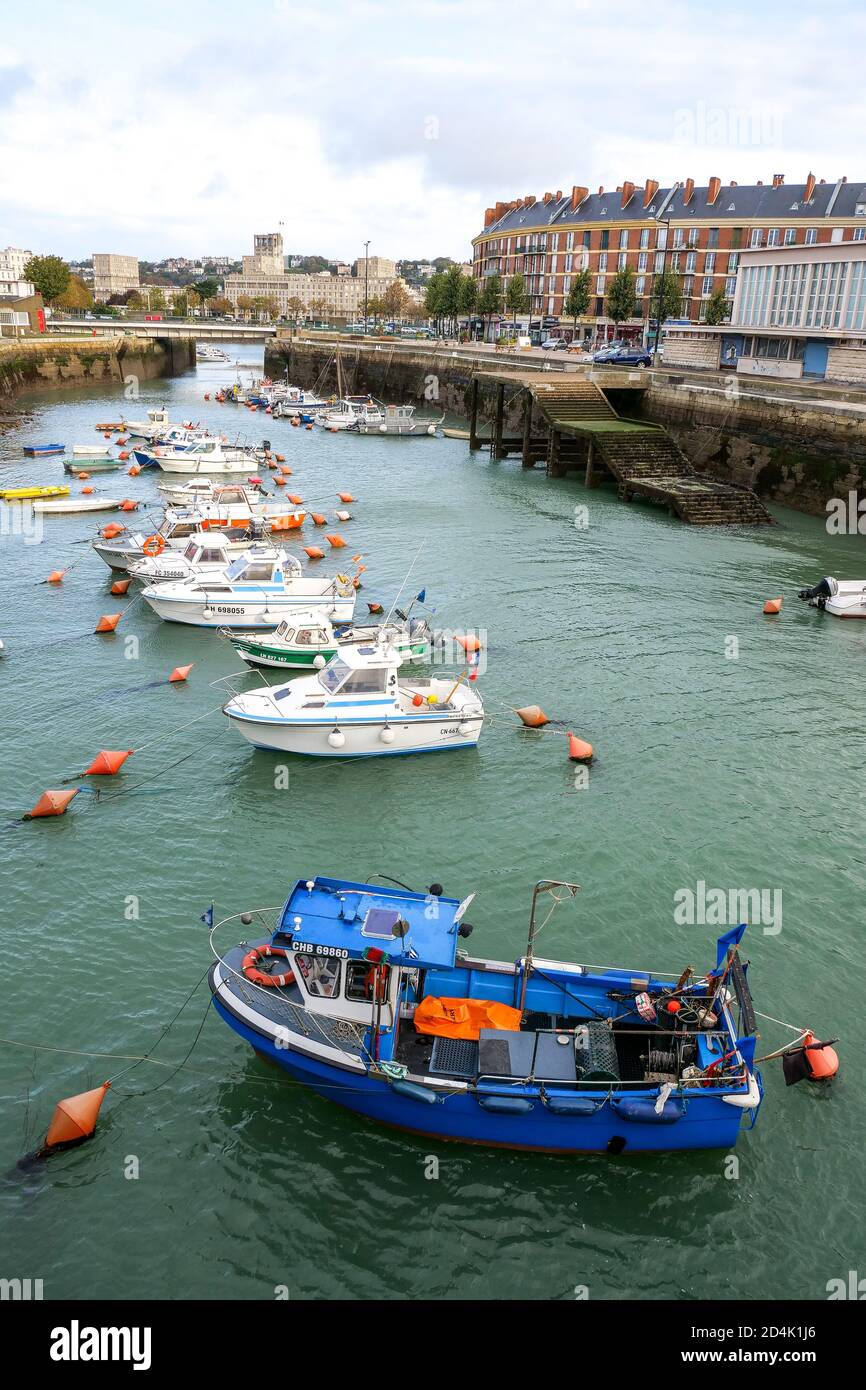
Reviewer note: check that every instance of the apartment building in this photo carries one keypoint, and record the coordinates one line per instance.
(113, 275)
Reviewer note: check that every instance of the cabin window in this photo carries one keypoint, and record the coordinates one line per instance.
(320, 974)
(212, 556)
(366, 980)
(191, 551)
(256, 573)
(334, 674)
(366, 682)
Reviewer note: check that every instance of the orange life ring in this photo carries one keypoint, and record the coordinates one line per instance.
(261, 977)
(154, 545)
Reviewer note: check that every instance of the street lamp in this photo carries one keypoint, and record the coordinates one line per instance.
(366, 280)
(667, 222)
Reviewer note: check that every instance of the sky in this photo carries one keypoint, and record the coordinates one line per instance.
(183, 128)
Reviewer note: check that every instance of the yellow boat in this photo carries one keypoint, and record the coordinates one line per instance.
(23, 494)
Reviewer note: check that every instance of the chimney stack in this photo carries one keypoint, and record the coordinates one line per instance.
(548, 197)
(559, 195)
(489, 216)
(627, 193)
(714, 189)
(778, 180)
(810, 187)
(651, 188)
(577, 196)
(688, 191)
(529, 200)
(600, 189)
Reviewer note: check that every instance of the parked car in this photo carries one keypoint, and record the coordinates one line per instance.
(553, 344)
(624, 357)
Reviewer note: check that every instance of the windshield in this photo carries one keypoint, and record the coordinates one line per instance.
(334, 674)
(237, 567)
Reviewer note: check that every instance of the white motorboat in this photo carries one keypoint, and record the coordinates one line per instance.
(209, 352)
(349, 412)
(58, 506)
(291, 400)
(307, 641)
(173, 534)
(398, 420)
(258, 590)
(843, 598)
(156, 423)
(209, 490)
(208, 456)
(206, 552)
(358, 707)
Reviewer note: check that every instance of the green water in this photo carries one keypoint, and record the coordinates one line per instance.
(739, 772)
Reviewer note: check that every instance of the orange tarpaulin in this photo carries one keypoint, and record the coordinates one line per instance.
(463, 1018)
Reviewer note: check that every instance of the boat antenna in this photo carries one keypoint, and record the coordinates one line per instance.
(559, 892)
(405, 582)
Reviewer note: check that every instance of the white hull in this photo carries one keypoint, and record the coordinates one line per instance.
(260, 615)
(418, 734)
(77, 504)
(92, 451)
(208, 468)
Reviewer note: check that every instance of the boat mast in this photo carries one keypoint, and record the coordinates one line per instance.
(544, 885)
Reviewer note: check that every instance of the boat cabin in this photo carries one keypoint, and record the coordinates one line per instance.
(262, 565)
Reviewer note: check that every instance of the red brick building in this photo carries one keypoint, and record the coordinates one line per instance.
(695, 232)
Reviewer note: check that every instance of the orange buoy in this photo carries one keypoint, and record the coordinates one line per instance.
(295, 421)
(356, 583)
(121, 441)
(207, 395)
(271, 464)
(470, 643)
(82, 477)
(108, 762)
(51, 803)
(134, 470)
(822, 1061)
(773, 605)
(55, 577)
(86, 491)
(111, 530)
(578, 750)
(120, 586)
(180, 673)
(417, 700)
(123, 456)
(293, 497)
(74, 1118)
(533, 716)
(108, 622)
(309, 427)
(280, 458)
(345, 496)
(314, 552)
(375, 607)
(280, 482)
(284, 469)
(128, 505)
(319, 519)
(336, 541)
(106, 435)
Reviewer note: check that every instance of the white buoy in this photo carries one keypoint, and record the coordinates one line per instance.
(319, 661)
(387, 734)
(336, 738)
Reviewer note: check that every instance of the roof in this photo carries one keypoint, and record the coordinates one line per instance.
(334, 913)
(735, 202)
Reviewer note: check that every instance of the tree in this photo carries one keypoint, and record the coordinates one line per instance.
(490, 300)
(516, 298)
(667, 297)
(468, 297)
(718, 308)
(434, 299)
(318, 306)
(221, 305)
(376, 307)
(395, 299)
(245, 304)
(180, 305)
(49, 274)
(207, 287)
(76, 296)
(155, 299)
(135, 301)
(452, 281)
(621, 297)
(295, 308)
(577, 300)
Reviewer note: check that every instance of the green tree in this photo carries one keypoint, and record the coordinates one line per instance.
(490, 300)
(76, 297)
(294, 308)
(180, 305)
(434, 299)
(452, 281)
(207, 287)
(155, 299)
(621, 297)
(221, 305)
(718, 308)
(667, 296)
(49, 274)
(396, 299)
(135, 301)
(577, 300)
(468, 296)
(516, 298)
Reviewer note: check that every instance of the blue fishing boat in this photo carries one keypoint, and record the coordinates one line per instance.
(41, 450)
(360, 992)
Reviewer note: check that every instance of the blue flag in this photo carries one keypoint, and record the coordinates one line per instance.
(207, 917)
(422, 595)
(730, 938)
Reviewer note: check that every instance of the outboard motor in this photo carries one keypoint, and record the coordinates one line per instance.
(824, 589)
(266, 445)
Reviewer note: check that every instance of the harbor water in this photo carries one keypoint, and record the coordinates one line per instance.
(729, 753)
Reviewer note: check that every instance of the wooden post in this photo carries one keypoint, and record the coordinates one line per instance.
(498, 421)
(527, 429)
(474, 441)
(553, 469)
(590, 476)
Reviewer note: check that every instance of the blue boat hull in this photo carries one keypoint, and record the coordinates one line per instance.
(502, 1116)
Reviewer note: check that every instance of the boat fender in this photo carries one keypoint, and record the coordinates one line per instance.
(645, 1112)
(506, 1105)
(572, 1105)
(412, 1091)
(261, 977)
(749, 1100)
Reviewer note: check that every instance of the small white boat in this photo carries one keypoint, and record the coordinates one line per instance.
(399, 420)
(209, 456)
(307, 641)
(357, 707)
(350, 412)
(209, 490)
(843, 598)
(62, 505)
(156, 423)
(92, 451)
(208, 352)
(291, 400)
(206, 552)
(173, 534)
(258, 590)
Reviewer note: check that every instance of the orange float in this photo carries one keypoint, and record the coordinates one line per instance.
(261, 977)
(86, 491)
(51, 803)
(74, 1118)
(82, 477)
(108, 762)
(822, 1060)
(111, 530)
(773, 605)
(319, 519)
(578, 750)
(345, 496)
(334, 540)
(55, 577)
(533, 716)
(180, 673)
(314, 552)
(108, 622)
(120, 586)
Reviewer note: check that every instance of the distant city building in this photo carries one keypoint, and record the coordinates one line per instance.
(114, 275)
(342, 268)
(12, 282)
(695, 232)
(321, 293)
(377, 268)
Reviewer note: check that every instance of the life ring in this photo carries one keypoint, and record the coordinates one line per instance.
(261, 977)
(154, 545)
